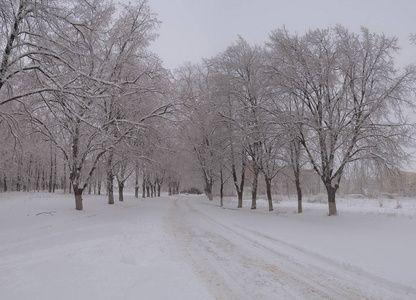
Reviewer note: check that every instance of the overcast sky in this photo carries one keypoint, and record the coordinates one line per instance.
(195, 29)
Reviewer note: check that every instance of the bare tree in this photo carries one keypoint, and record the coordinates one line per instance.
(108, 81)
(353, 97)
(199, 120)
(247, 90)
(234, 140)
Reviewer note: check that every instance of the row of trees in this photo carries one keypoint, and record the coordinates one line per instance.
(322, 100)
(83, 100)
(78, 81)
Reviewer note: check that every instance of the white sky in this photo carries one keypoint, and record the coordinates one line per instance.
(195, 29)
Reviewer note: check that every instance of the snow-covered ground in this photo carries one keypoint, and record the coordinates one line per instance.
(186, 247)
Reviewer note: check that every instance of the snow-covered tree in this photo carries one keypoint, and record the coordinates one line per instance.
(248, 91)
(111, 85)
(198, 124)
(352, 93)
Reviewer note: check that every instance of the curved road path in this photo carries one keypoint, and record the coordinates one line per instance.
(236, 262)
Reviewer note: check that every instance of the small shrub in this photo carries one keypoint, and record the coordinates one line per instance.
(317, 199)
(399, 204)
(388, 195)
(192, 190)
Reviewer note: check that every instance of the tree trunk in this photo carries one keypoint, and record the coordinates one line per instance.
(239, 187)
(63, 179)
(254, 189)
(208, 190)
(269, 192)
(144, 188)
(209, 195)
(110, 188)
(221, 188)
(55, 171)
(222, 195)
(43, 180)
(37, 188)
(99, 185)
(51, 171)
(147, 191)
(19, 175)
(295, 151)
(136, 184)
(110, 179)
(159, 187)
(331, 199)
(78, 198)
(5, 182)
(240, 199)
(120, 191)
(299, 192)
(29, 175)
(177, 185)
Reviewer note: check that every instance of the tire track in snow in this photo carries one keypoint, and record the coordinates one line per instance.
(238, 264)
(199, 247)
(354, 274)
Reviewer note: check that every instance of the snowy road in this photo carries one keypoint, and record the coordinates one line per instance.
(187, 247)
(236, 262)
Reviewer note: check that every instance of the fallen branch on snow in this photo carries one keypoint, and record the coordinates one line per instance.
(47, 212)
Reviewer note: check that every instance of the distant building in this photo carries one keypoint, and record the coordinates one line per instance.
(398, 182)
